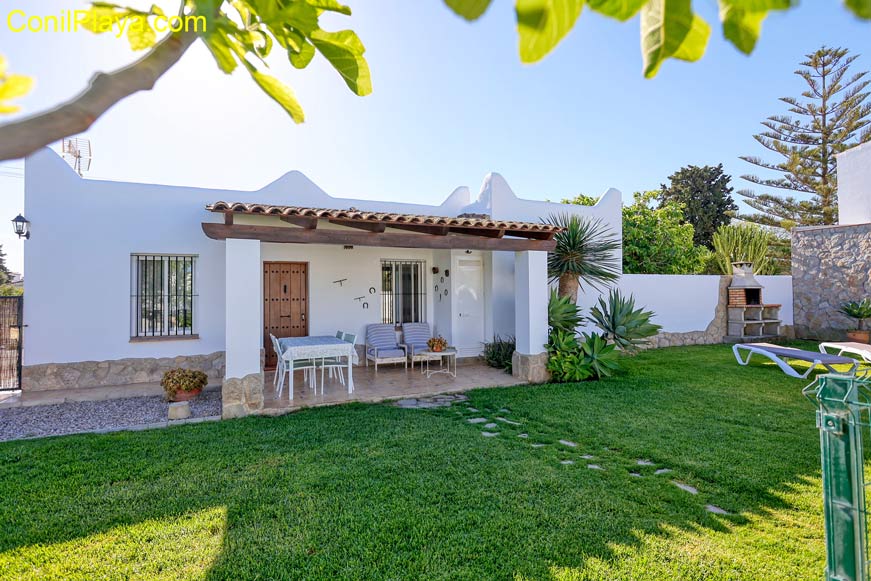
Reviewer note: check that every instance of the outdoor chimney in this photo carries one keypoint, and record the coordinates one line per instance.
(745, 289)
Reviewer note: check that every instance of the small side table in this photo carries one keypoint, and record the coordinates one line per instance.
(444, 358)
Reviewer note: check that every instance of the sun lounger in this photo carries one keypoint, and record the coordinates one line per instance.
(861, 349)
(779, 355)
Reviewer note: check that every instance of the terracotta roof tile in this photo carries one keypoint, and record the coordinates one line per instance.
(463, 221)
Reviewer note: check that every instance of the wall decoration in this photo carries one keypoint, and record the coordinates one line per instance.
(340, 282)
(443, 279)
(359, 298)
(365, 305)
(447, 272)
(371, 290)
(437, 288)
(435, 269)
(446, 292)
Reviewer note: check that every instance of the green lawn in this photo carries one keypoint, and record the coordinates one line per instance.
(378, 492)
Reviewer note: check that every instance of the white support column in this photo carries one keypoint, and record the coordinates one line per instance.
(530, 315)
(242, 393)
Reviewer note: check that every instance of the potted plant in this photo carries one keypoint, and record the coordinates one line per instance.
(437, 344)
(859, 310)
(183, 384)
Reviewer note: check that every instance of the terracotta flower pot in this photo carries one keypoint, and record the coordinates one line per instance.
(186, 395)
(859, 336)
(438, 348)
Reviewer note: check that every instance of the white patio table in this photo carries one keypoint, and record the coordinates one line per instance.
(318, 347)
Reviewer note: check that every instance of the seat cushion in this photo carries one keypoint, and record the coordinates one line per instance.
(381, 336)
(416, 333)
(387, 353)
(418, 347)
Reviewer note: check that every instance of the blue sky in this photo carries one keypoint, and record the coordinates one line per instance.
(451, 102)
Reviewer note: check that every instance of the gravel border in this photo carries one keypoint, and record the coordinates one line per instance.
(100, 416)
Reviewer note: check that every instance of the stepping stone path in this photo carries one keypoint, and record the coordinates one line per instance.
(471, 409)
(635, 474)
(522, 435)
(686, 487)
(507, 421)
(538, 445)
(587, 456)
(645, 463)
(568, 443)
(436, 401)
(594, 467)
(491, 425)
(663, 471)
(477, 420)
(715, 509)
(489, 434)
(567, 462)
(504, 410)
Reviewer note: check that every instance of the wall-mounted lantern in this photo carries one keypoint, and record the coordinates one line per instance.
(22, 226)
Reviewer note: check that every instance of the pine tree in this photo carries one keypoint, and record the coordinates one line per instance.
(706, 197)
(833, 117)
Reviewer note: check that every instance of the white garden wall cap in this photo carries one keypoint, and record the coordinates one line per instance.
(463, 221)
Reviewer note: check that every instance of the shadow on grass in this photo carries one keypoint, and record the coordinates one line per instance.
(371, 491)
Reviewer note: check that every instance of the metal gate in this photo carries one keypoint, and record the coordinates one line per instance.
(10, 342)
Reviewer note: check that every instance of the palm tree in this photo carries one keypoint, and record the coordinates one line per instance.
(584, 254)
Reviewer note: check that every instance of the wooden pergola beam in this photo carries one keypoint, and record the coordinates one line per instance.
(421, 228)
(279, 234)
(307, 222)
(360, 225)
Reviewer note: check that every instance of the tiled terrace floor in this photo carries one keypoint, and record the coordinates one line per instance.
(390, 382)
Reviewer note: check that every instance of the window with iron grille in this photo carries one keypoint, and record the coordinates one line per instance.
(163, 295)
(403, 291)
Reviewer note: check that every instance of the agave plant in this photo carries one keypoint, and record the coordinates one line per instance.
(859, 310)
(585, 253)
(563, 313)
(599, 355)
(620, 322)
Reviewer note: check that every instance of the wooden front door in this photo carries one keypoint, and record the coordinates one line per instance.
(285, 303)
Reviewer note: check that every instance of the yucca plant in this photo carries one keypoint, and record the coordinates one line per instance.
(585, 253)
(743, 243)
(563, 313)
(620, 322)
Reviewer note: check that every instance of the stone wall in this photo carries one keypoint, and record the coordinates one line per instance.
(242, 396)
(830, 265)
(116, 372)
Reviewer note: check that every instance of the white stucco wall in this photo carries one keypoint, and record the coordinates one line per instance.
(854, 185)
(77, 261)
(684, 303)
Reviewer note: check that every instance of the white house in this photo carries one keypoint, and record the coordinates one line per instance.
(125, 280)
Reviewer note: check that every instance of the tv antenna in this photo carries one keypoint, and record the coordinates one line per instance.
(77, 152)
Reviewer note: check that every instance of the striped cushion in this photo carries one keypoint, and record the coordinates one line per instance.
(387, 353)
(381, 336)
(416, 333)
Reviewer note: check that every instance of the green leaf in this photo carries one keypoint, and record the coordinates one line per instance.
(861, 8)
(542, 24)
(468, 9)
(299, 15)
(219, 45)
(670, 29)
(14, 86)
(331, 5)
(622, 10)
(345, 51)
(301, 59)
(140, 35)
(740, 27)
(280, 93)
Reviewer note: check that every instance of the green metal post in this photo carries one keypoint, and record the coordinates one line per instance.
(839, 421)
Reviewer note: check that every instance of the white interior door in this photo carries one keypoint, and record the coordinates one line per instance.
(469, 295)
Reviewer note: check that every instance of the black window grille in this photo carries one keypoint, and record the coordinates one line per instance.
(163, 300)
(403, 291)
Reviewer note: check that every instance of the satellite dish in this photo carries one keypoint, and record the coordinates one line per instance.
(77, 152)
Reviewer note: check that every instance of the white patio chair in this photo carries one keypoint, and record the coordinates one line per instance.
(307, 366)
(382, 347)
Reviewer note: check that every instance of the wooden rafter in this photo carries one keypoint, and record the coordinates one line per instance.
(280, 234)
(302, 221)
